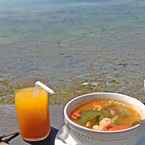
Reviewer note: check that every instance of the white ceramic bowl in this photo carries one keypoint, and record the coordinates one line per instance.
(85, 136)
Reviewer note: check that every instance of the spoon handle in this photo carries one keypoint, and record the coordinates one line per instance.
(11, 136)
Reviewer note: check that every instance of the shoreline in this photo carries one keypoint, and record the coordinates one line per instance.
(65, 90)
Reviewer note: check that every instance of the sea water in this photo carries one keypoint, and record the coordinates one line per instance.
(60, 39)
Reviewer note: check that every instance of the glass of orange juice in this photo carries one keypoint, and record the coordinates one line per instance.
(32, 113)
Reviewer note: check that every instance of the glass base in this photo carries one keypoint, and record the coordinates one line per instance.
(37, 139)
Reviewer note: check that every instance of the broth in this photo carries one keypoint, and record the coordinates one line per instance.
(105, 115)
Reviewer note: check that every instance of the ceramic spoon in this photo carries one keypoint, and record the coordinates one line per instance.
(63, 135)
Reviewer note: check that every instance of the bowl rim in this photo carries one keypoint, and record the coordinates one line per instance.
(67, 118)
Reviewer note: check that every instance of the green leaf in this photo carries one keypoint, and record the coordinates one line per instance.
(88, 115)
(125, 113)
(116, 120)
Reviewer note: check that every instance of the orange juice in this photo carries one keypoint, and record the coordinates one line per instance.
(32, 113)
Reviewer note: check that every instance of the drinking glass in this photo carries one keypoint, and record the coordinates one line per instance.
(32, 113)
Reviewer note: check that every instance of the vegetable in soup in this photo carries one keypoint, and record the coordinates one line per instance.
(105, 115)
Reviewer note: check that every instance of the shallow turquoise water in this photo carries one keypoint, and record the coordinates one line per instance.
(61, 39)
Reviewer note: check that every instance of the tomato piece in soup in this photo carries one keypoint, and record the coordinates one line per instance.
(75, 115)
(118, 127)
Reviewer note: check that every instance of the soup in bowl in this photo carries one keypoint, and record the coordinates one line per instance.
(105, 118)
(105, 115)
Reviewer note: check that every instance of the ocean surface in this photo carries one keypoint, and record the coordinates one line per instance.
(62, 39)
